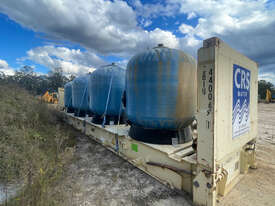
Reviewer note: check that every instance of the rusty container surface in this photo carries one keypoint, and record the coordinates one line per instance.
(161, 88)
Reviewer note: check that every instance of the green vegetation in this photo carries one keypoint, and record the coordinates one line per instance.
(263, 86)
(37, 84)
(36, 147)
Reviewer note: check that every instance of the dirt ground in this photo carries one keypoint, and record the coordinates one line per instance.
(100, 178)
(258, 187)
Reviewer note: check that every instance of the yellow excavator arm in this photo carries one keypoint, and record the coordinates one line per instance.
(268, 96)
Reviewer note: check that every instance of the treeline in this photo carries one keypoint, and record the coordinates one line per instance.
(263, 86)
(36, 84)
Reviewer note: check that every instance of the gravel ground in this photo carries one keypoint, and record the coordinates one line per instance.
(100, 178)
(257, 188)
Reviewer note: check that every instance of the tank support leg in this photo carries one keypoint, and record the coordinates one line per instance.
(248, 157)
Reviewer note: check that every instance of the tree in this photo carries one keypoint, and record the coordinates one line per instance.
(56, 79)
(263, 86)
(25, 77)
(37, 84)
(71, 77)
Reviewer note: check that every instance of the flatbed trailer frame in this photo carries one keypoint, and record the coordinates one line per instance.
(225, 148)
(173, 165)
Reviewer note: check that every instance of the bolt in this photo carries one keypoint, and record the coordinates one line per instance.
(196, 184)
(208, 185)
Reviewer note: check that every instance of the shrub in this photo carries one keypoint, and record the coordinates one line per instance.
(35, 147)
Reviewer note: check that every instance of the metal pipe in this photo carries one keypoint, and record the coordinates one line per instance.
(175, 169)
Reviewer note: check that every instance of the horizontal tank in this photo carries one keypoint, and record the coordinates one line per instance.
(161, 89)
(80, 94)
(106, 81)
(68, 95)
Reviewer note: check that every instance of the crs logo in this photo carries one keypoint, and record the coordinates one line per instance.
(241, 78)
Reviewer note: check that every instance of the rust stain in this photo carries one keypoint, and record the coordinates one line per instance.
(136, 90)
(168, 75)
(159, 83)
(168, 68)
(186, 102)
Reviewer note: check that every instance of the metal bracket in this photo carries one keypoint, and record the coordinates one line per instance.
(221, 179)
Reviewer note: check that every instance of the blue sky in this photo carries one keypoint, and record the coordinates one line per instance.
(15, 40)
(80, 37)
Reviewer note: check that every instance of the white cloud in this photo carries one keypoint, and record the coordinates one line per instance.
(191, 15)
(186, 29)
(5, 68)
(123, 63)
(111, 28)
(165, 37)
(248, 26)
(107, 27)
(152, 10)
(224, 17)
(147, 23)
(72, 61)
(219, 17)
(269, 77)
(267, 72)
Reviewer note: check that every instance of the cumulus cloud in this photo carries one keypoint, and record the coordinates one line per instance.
(268, 73)
(268, 76)
(191, 15)
(246, 25)
(5, 68)
(72, 61)
(112, 28)
(153, 10)
(186, 29)
(250, 30)
(221, 17)
(159, 36)
(107, 27)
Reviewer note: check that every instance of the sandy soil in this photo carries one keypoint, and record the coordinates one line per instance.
(100, 178)
(258, 187)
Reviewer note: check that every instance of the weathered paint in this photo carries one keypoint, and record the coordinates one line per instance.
(98, 88)
(166, 163)
(80, 94)
(221, 156)
(68, 95)
(161, 88)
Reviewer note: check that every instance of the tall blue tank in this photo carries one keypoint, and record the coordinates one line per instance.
(106, 81)
(80, 94)
(68, 95)
(161, 89)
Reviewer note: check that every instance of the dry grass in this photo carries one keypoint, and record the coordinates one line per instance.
(35, 148)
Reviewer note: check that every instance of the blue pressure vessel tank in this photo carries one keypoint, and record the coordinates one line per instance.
(106, 87)
(80, 94)
(68, 95)
(161, 89)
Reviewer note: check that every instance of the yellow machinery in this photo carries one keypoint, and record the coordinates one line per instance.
(269, 96)
(50, 97)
